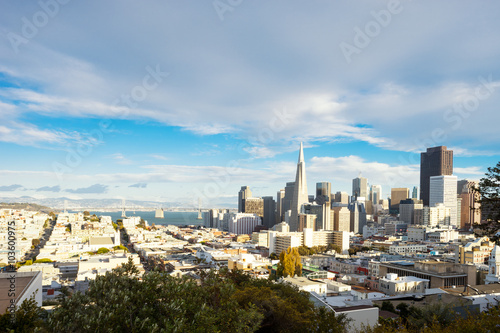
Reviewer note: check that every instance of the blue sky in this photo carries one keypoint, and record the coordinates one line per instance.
(172, 100)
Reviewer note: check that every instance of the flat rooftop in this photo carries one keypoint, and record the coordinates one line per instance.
(21, 283)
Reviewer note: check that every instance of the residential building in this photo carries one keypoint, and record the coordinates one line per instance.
(244, 223)
(475, 252)
(27, 284)
(437, 215)
(393, 285)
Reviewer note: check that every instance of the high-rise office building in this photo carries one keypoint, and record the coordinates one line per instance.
(300, 195)
(414, 193)
(436, 161)
(375, 194)
(398, 194)
(341, 218)
(360, 187)
(242, 195)
(341, 197)
(254, 206)
(470, 211)
(280, 197)
(358, 216)
(410, 211)
(443, 189)
(269, 219)
(323, 192)
(287, 200)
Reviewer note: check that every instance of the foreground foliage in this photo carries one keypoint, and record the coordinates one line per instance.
(217, 302)
(437, 318)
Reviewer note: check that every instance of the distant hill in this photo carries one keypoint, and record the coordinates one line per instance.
(116, 204)
(26, 206)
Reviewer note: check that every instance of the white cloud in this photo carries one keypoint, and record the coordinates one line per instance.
(474, 170)
(120, 159)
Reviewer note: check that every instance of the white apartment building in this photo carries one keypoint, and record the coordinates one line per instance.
(443, 189)
(243, 223)
(437, 215)
(406, 249)
(393, 285)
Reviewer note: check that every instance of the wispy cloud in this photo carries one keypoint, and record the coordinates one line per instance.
(93, 189)
(120, 159)
(139, 185)
(56, 188)
(10, 188)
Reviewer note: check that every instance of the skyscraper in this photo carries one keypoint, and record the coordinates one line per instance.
(360, 187)
(341, 197)
(300, 196)
(242, 195)
(437, 161)
(470, 208)
(398, 194)
(443, 189)
(280, 197)
(287, 200)
(414, 193)
(375, 193)
(269, 219)
(323, 189)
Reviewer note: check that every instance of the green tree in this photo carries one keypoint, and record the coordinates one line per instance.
(388, 306)
(489, 189)
(42, 260)
(28, 318)
(273, 256)
(334, 247)
(352, 251)
(120, 247)
(102, 250)
(289, 264)
(159, 303)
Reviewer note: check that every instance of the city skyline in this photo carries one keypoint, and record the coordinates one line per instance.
(225, 103)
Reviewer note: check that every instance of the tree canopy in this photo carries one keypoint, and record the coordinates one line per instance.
(489, 189)
(223, 301)
(289, 264)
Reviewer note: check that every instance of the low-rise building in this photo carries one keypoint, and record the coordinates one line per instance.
(393, 285)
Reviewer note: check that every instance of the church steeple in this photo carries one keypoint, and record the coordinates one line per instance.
(494, 267)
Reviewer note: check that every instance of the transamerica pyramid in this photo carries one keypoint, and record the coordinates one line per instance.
(300, 196)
